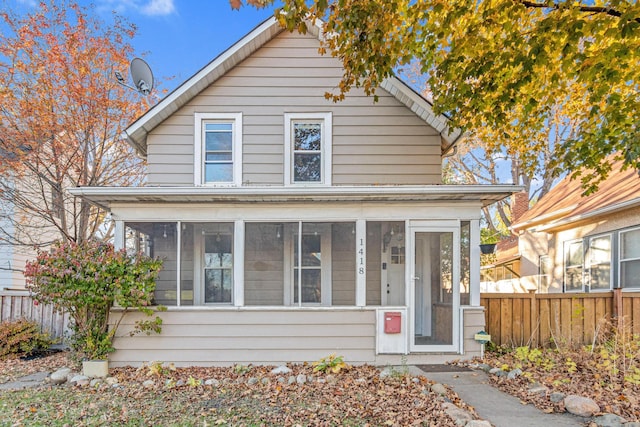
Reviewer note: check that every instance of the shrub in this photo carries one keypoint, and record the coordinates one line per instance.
(21, 337)
(86, 280)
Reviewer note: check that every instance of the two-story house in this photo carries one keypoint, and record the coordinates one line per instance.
(292, 227)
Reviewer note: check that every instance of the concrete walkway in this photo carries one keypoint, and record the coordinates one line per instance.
(491, 404)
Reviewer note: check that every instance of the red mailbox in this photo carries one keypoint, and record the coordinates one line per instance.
(392, 322)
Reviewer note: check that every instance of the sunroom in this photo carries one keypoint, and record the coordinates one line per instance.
(268, 275)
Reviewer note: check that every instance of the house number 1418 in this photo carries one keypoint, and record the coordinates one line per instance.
(360, 256)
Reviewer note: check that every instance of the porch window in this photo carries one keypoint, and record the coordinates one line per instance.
(218, 149)
(300, 263)
(573, 260)
(386, 263)
(308, 148)
(599, 262)
(630, 258)
(157, 240)
(544, 273)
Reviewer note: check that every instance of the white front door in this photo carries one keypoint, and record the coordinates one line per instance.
(435, 288)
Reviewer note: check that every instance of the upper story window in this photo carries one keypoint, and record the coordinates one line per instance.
(218, 149)
(307, 148)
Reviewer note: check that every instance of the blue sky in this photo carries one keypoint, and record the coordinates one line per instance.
(177, 37)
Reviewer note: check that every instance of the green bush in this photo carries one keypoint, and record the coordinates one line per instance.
(21, 337)
(86, 280)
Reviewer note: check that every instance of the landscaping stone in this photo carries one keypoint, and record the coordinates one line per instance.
(331, 379)
(556, 397)
(281, 380)
(212, 381)
(60, 376)
(291, 380)
(439, 389)
(536, 388)
(609, 420)
(515, 373)
(179, 383)
(148, 384)
(459, 416)
(79, 380)
(111, 381)
(484, 367)
(386, 372)
(252, 381)
(632, 424)
(265, 381)
(494, 371)
(281, 370)
(580, 406)
(301, 379)
(96, 382)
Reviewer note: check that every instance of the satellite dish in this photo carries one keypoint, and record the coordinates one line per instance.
(140, 74)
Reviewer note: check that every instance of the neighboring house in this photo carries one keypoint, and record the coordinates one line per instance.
(503, 274)
(292, 227)
(570, 243)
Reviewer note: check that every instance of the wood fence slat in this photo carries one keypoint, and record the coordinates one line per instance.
(577, 321)
(544, 322)
(589, 320)
(507, 326)
(517, 324)
(635, 314)
(494, 320)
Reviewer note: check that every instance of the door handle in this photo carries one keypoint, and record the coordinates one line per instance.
(415, 278)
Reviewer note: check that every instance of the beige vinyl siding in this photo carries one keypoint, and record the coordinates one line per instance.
(382, 143)
(227, 337)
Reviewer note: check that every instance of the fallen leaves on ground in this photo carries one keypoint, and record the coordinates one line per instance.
(583, 376)
(357, 396)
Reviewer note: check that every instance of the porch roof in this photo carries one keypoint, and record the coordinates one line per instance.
(106, 196)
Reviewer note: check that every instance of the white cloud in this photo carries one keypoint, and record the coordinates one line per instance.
(158, 8)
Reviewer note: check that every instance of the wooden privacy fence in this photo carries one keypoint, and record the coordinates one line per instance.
(570, 319)
(19, 305)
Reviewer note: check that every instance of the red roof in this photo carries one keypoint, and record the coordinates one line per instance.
(565, 203)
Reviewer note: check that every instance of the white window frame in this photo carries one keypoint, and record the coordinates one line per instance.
(621, 260)
(588, 264)
(198, 261)
(290, 269)
(565, 265)
(326, 120)
(544, 272)
(199, 148)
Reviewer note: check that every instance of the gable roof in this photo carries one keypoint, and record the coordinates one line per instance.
(564, 204)
(136, 133)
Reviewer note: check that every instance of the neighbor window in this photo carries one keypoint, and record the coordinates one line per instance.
(630, 258)
(308, 148)
(573, 259)
(599, 258)
(218, 149)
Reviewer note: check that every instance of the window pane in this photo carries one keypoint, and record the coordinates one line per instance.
(217, 286)
(311, 250)
(157, 240)
(573, 278)
(574, 254)
(630, 274)
(343, 263)
(218, 251)
(307, 136)
(311, 286)
(219, 126)
(307, 167)
(600, 250)
(264, 260)
(600, 276)
(218, 172)
(630, 244)
(218, 141)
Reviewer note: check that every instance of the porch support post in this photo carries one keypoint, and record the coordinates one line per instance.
(474, 263)
(118, 235)
(238, 263)
(361, 263)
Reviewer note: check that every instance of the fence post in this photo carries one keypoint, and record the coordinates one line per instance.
(618, 310)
